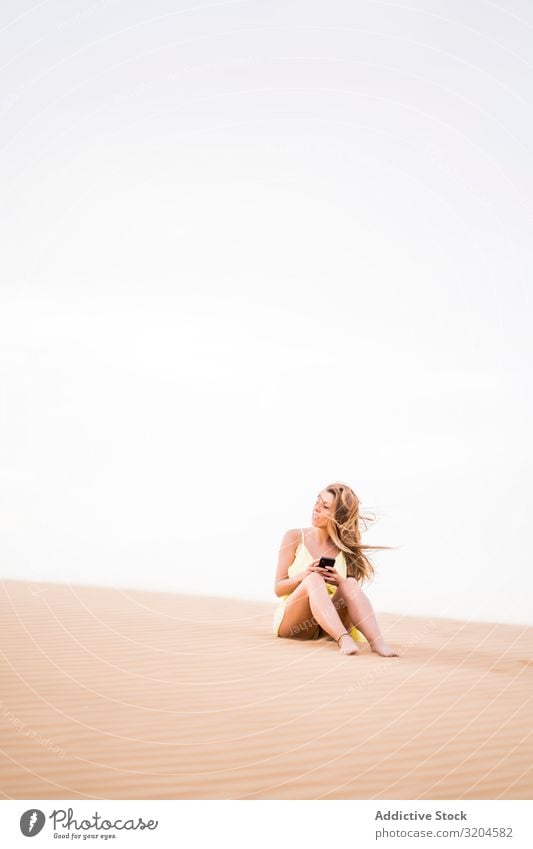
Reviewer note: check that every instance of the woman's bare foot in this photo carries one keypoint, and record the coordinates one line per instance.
(347, 645)
(383, 649)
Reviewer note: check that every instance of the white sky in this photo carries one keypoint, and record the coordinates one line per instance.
(252, 248)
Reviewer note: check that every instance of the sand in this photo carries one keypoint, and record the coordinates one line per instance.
(121, 694)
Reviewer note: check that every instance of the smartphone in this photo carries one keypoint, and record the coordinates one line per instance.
(327, 563)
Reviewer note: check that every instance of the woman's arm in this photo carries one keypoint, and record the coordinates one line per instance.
(287, 585)
(283, 585)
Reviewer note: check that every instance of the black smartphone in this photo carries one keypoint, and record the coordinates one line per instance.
(327, 563)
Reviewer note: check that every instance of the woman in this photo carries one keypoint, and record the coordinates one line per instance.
(316, 600)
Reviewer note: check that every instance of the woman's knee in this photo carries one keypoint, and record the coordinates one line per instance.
(351, 585)
(312, 581)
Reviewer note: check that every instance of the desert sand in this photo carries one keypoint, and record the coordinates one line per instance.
(122, 694)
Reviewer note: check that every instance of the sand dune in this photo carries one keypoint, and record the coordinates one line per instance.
(109, 693)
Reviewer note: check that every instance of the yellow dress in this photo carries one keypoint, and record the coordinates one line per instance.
(301, 561)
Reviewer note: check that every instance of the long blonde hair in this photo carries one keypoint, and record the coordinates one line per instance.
(344, 527)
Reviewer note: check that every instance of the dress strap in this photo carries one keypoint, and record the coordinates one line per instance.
(302, 533)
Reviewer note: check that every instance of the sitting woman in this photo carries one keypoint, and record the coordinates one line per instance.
(317, 600)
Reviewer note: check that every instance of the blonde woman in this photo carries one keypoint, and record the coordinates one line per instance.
(315, 600)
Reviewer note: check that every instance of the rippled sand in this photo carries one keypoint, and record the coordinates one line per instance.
(109, 693)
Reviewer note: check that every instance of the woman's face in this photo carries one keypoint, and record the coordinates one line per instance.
(322, 509)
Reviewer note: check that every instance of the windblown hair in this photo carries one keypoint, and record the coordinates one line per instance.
(344, 527)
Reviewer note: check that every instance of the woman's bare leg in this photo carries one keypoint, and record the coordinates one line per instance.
(298, 621)
(362, 615)
(321, 610)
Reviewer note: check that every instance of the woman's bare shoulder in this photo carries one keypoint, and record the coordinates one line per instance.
(289, 543)
(292, 534)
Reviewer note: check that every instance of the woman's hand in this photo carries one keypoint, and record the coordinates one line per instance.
(330, 575)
